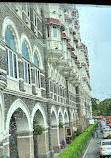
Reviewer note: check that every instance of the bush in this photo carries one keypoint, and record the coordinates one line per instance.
(60, 124)
(75, 134)
(75, 149)
(38, 129)
(4, 156)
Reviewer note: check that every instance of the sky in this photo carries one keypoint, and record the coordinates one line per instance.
(95, 31)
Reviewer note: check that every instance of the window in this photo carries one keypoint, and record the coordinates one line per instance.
(63, 45)
(26, 8)
(37, 78)
(11, 63)
(25, 51)
(9, 39)
(26, 66)
(48, 31)
(11, 55)
(54, 31)
(35, 18)
(36, 61)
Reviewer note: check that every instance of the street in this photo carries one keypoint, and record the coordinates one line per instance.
(92, 150)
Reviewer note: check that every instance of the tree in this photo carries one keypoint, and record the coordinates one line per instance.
(101, 108)
(95, 103)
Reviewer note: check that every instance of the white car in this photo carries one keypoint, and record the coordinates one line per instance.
(105, 147)
(106, 128)
(106, 133)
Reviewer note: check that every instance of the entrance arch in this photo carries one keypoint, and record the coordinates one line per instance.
(61, 130)
(40, 141)
(66, 118)
(18, 126)
(55, 130)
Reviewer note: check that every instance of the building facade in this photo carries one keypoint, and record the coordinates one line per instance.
(44, 76)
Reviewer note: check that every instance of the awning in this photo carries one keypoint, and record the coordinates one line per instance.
(63, 35)
(69, 46)
(52, 20)
(73, 55)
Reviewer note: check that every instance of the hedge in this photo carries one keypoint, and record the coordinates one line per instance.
(4, 156)
(75, 149)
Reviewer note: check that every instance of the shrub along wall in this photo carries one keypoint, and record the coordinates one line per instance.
(75, 149)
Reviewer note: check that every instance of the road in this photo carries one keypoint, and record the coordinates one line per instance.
(92, 150)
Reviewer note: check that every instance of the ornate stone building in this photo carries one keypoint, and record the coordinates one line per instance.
(44, 76)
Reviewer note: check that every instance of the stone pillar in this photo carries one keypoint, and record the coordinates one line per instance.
(42, 141)
(3, 65)
(1, 148)
(62, 134)
(25, 145)
(55, 139)
(21, 74)
(49, 130)
(6, 148)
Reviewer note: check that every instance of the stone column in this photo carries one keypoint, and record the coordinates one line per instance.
(3, 65)
(6, 148)
(62, 134)
(55, 139)
(21, 74)
(1, 148)
(25, 145)
(43, 148)
(48, 105)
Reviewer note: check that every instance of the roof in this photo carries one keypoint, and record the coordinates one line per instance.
(108, 117)
(98, 116)
(52, 20)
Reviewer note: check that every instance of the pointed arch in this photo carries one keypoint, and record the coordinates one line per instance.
(15, 105)
(53, 110)
(67, 117)
(8, 23)
(37, 51)
(62, 114)
(25, 40)
(38, 107)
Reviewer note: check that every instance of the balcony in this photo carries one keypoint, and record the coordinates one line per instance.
(71, 30)
(54, 49)
(73, 55)
(70, 47)
(61, 63)
(82, 47)
(77, 46)
(75, 14)
(78, 65)
(64, 36)
(75, 39)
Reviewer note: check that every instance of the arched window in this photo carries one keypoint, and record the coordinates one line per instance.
(25, 51)
(26, 64)
(11, 55)
(37, 72)
(9, 39)
(36, 61)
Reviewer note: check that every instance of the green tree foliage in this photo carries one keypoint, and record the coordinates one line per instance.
(38, 129)
(101, 108)
(95, 103)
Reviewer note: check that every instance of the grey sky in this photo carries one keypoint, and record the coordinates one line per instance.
(95, 30)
